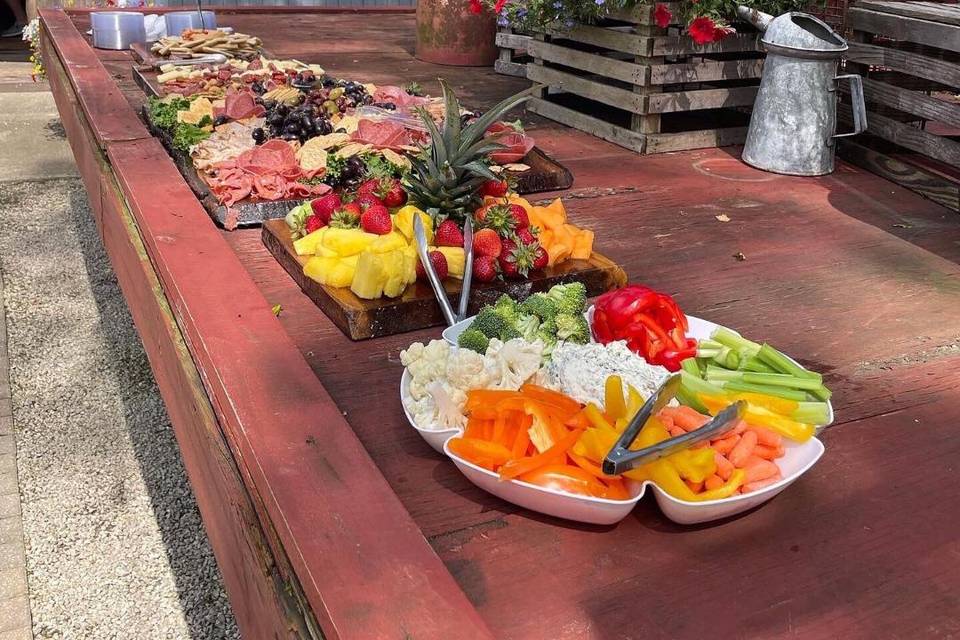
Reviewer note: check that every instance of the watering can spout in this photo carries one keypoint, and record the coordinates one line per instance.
(759, 19)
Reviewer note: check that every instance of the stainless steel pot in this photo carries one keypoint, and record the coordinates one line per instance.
(117, 29)
(178, 21)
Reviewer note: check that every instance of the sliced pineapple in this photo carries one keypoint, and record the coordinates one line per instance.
(456, 258)
(403, 222)
(370, 276)
(348, 242)
(307, 245)
(331, 271)
(389, 242)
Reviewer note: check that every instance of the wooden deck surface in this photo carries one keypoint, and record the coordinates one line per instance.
(851, 274)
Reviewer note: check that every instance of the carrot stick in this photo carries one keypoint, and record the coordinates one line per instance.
(759, 469)
(767, 437)
(739, 454)
(517, 467)
(713, 482)
(725, 445)
(724, 466)
(760, 484)
(768, 453)
(676, 431)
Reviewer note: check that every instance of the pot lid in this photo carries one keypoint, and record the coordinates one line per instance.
(803, 33)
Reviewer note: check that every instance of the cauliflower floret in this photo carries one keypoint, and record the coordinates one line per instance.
(517, 361)
(467, 369)
(425, 364)
(449, 414)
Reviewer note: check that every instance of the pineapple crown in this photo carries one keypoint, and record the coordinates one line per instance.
(446, 177)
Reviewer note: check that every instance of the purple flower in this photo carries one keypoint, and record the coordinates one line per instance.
(599, 2)
(558, 5)
(502, 21)
(568, 23)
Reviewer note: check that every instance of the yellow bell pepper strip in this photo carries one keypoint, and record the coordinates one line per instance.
(763, 417)
(613, 403)
(728, 489)
(595, 416)
(694, 464)
(665, 476)
(778, 405)
(595, 443)
(634, 402)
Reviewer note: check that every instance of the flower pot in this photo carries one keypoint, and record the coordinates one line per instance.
(449, 33)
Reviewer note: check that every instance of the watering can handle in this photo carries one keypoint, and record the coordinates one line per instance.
(857, 105)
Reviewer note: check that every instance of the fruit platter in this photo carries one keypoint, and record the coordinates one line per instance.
(531, 397)
(255, 136)
(352, 250)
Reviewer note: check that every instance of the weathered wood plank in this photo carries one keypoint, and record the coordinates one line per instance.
(914, 102)
(915, 64)
(607, 67)
(641, 13)
(694, 100)
(507, 68)
(685, 140)
(609, 38)
(684, 45)
(705, 71)
(935, 34)
(607, 94)
(512, 40)
(912, 138)
(595, 126)
(945, 13)
(927, 184)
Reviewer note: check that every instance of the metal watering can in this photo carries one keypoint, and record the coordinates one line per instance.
(794, 122)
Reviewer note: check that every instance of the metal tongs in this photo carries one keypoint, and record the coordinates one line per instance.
(621, 458)
(210, 58)
(421, 236)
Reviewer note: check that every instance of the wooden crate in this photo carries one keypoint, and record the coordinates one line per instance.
(513, 57)
(909, 56)
(645, 88)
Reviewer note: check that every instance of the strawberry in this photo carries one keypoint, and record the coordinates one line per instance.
(540, 258)
(484, 269)
(520, 218)
(346, 217)
(313, 223)
(486, 242)
(376, 219)
(324, 206)
(448, 234)
(392, 193)
(367, 200)
(498, 217)
(525, 236)
(495, 188)
(439, 262)
(516, 260)
(352, 208)
(369, 187)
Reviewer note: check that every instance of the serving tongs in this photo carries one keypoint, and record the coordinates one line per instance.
(209, 58)
(420, 234)
(621, 458)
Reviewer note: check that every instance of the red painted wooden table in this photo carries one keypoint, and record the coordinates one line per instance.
(330, 516)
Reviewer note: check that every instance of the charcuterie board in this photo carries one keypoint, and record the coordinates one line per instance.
(417, 308)
(544, 174)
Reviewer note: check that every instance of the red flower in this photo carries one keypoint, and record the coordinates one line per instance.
(722, 32)
(662, 16)
(497, 8)
(702, 30)
(475, 6)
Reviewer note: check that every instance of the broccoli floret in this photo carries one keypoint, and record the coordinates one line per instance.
(573, 328)
(527, 326)
(549, 328)
(509, 332)
(539, 305)
(569, 298)
(507, 307)
(490, 322)
(474, 340)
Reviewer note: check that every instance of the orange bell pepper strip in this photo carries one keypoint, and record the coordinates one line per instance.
(542, 394)
(483, 453)
(565, 477)
(579, 421)
(590, 467)
(554, 454)
(522, 439)
(616, 489)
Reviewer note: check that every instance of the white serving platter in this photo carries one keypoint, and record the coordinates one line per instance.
(796, 461)
(434, 437)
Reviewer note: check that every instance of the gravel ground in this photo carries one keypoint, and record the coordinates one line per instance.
(115, 546)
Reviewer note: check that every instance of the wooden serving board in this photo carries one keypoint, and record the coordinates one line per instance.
(545, 173)
(417, 308)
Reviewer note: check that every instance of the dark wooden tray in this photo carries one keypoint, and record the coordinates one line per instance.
(417, 308)
(545, 173)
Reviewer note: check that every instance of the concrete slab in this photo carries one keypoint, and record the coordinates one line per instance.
(29, 122)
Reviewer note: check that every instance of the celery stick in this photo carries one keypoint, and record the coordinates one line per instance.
(690, 399)
(707, 353)
(690, 366)
(821, 393)
(736, 342)
(727, 358)
(811, 413)
(756, 364)
(777, 392)
(780, 380)
(780, 362)
(694, 384)
(720, 374)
